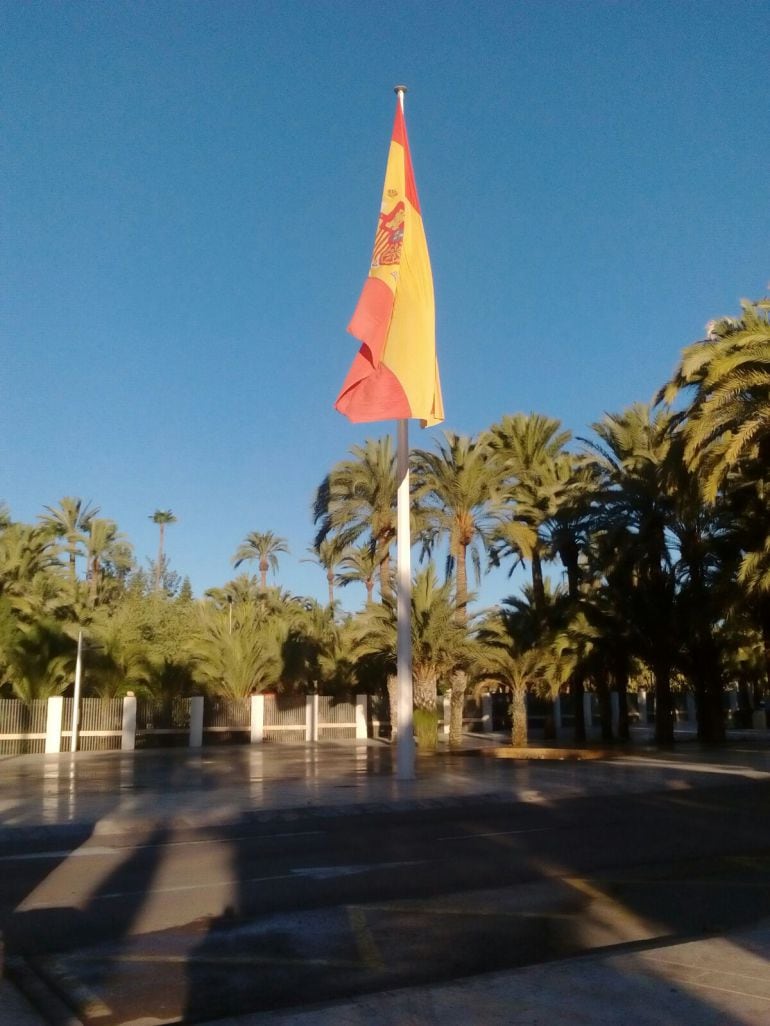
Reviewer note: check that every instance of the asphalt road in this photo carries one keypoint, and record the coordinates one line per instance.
(171, 925)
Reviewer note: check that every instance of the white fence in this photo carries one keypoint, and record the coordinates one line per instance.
(121, 723)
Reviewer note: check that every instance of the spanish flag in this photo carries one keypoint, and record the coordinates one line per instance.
(395, 373)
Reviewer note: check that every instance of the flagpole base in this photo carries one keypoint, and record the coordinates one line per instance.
(405, 758)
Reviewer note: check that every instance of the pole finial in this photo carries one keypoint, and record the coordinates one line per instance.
(399, 89)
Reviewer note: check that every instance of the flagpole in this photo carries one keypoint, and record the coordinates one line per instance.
(405, 753)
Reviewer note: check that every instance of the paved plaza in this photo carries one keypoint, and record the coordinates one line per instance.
(705, 981)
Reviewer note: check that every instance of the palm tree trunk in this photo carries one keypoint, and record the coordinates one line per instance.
(708, 690)
(519, 733)
(620, 680)
(459, 678)
(538, 587)
(385, 589)
(392, 687)
(664, 706)
(577, 691)
(605, 707)
(159, 565)
(461, 584)
(459, 687)
(264, 566)
(426, 715)
(330, 582)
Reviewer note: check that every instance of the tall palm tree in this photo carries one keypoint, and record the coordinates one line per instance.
(635, 514)
(726, 377)
(70, 521)
(261, 547)
(359, 565)
(726, 428)
(357, 499)
(505, 657)
(439, 644)
(454, 489)
(327, 554)
(161, 517)
(527, 451)
(105, 544)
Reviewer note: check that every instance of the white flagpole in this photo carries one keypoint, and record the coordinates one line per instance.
(405, 754)
(76, 696)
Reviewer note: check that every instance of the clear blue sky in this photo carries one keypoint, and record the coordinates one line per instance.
(189, 198)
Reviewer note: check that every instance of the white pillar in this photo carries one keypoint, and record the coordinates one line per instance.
(128, 738)
(196, 722)
(615, 711)
(53, 722)
(311, 717)
(447, 715)
(361, 708)
(641, 701)
(487, 724)
(257, 719)
(588, 709)
(405, 747)
(692, 715)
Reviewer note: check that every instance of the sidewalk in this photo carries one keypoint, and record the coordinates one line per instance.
(718, 981)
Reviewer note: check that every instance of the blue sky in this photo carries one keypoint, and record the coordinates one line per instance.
(189, 198)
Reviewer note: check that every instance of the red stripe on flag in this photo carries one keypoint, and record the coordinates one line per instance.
(372, 394)
(371, 318)
(400, 136)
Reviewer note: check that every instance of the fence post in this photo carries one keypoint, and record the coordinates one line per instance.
(311, 717)
(196, 722)
(128, 737)
(361, 710)
(53, 720)
(257, 719)
(487, 724)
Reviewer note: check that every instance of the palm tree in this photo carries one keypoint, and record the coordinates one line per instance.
(727, 376)
(439, 644)
(507, 657)
(38, 659)
(327, 554)
(454, 488)
(634, 515)
(161, 517)
(527, 453)
(261, 547)
(358, 499)
(26, 553)
(105, 545)
(359, 565)
(70, 521)
(240, 662)
(726, 429)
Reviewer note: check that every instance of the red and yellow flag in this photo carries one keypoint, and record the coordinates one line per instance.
(395, 373)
